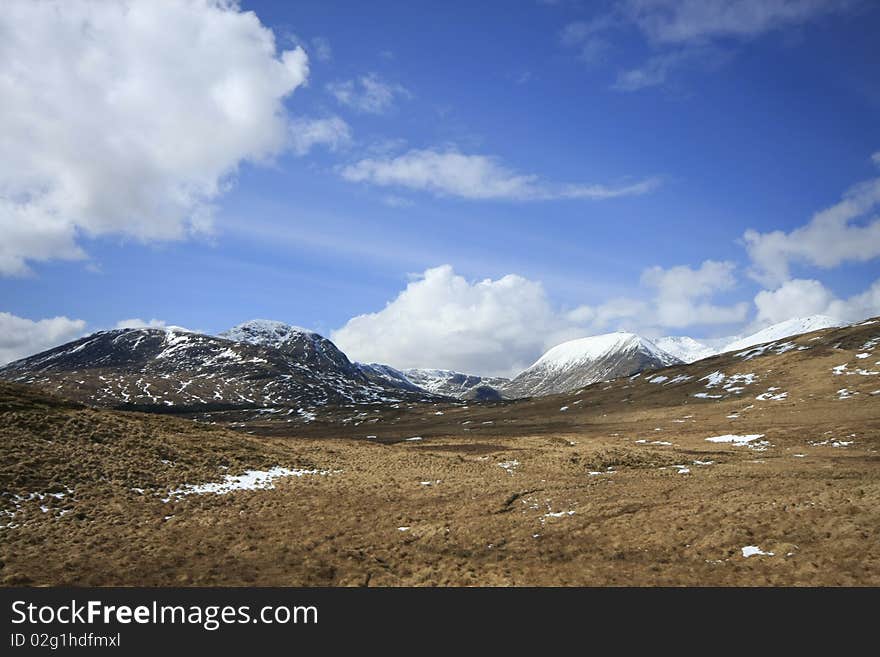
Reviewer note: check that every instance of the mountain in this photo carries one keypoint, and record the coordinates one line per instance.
(455, 384)
(785, 329)
(443, 383)
(388, 375)
(304, 346)
(578, 363)
(172, 370)
(684, 348)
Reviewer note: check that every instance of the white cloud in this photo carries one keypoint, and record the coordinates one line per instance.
(683, 294)
(501, 326)
(20, 337)
(451, 173)
(832, 237)
(795, 298)
(679, 21)
(368, 93)
(802, 297)
(129, 118)
(331, 132)
(139, 323)
(443, 320)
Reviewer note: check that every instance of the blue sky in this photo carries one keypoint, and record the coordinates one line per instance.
(612, 138)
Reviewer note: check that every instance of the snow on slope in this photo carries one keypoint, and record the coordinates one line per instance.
(685, 348)
(586, 350)
(264, 332)
(578, 363)
(794, 326)
(451, 383)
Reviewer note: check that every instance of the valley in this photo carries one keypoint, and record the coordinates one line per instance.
(749, 468)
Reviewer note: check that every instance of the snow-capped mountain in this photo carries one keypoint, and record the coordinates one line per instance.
(684, 348)
(785, 329)
(455, 384)
(180, 371)
(578, 363)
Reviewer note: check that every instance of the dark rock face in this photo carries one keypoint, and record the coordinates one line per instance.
(483, 393)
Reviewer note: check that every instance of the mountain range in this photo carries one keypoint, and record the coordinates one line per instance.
(274, 369)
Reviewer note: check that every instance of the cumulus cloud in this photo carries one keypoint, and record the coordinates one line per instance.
(839, 234)
(443, 320)
(331, 132)
(795, 298)
(129, 118)
(501, 326)
(369, 93)
(20, 337)
(476, 177)
(802, 297)
(683, 294)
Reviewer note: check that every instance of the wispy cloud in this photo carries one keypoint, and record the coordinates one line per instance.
(478, 177)
(683, 21)
(369, 93)
(331, 132)
(687, 33)
(321, 49)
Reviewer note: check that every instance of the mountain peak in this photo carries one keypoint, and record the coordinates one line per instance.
(265, 332)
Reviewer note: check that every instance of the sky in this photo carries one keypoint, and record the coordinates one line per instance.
(455, 185)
